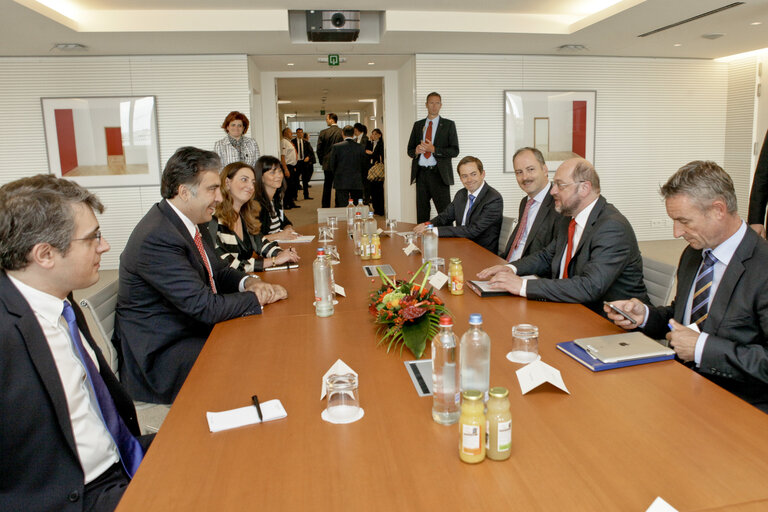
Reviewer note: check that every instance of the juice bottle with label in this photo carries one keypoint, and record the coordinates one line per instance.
(499, 440)
(472, 427)
(456, 275)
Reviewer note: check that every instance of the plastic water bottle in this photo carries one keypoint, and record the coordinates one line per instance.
(321, 270)
(370, 224)
(357, 231)
(429, 244)
(475, 357)
(362, 208)
(350, 216)
(445, 374)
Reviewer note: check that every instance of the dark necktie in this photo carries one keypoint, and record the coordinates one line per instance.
(428, 138)
(128, 446)
(206, 263)
(522, 227)
(702, 287)
(569, 247)
(469, 210)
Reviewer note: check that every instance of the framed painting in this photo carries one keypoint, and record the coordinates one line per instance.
(104, 141)
(560, 124)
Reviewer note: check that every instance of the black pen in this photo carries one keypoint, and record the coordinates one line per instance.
(258, 407)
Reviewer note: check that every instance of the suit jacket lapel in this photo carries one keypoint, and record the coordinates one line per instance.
(544, 211)
(728, 282)
(174, 219)
(590, 226)
(478, 201)
(685, 277)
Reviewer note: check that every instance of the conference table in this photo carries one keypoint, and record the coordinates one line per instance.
(617, 441)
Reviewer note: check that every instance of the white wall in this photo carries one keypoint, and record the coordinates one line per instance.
(194, 95)
(652, 116)
(740, 128)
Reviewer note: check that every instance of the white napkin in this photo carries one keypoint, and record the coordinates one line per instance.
(234, 418)
(338, 368)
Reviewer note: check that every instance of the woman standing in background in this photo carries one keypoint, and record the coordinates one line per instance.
(236, 147)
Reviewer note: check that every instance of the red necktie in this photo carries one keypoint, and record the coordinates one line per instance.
(428, 138)
(521, 230)
(201, 250)
(569, 247)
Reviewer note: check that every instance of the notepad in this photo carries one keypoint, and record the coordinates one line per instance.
(234, 418)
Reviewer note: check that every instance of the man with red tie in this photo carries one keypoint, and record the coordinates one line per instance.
(537, 215)
(432, 145)
(173, 287)
(593, 257)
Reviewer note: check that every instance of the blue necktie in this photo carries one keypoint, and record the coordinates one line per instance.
(702, 287)
(130, 450)
(469, 210)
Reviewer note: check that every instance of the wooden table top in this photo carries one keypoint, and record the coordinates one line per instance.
(618, 440)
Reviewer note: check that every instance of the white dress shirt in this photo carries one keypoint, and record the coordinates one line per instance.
(95, 448)
(288, 151)
(431, 161)
(532, 212)
(476, 193)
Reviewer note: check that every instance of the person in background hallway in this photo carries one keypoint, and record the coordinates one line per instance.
(349, 165)
(288, 161)
(325, 142)
(476, 209)
(236, 147)
(593, 257)
(432, 145)
(270, 187)
(235, 230)
(758, 198)
(61, 407)
(375, 151)
(537, 218)
(722, 286)
(361, 137)
(173, 287)
(305, 156)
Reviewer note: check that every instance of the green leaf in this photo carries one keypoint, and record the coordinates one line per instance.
(415, 336)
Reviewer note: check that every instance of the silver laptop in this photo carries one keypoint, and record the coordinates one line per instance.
(616, 348)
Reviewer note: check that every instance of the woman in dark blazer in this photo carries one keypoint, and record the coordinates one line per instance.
(270, 189)
(375, 151)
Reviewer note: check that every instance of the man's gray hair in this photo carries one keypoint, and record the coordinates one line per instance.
(35, 210)
(536, 153)
(585, 171)
(704, 182)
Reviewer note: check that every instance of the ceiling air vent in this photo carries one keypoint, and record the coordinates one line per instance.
(693, 18)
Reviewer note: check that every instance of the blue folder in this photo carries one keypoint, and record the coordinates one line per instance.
(596, 365)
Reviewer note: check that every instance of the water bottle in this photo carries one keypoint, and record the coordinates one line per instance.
(445, 376)
(475, 357)
(370, 224)
(350, 216)
(362, 208)
(321, 270)
(357, 231)
(429, 244)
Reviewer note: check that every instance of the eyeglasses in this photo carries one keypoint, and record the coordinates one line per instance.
(561, 185)
(96, 236)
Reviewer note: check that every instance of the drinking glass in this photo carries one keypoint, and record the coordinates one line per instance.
(343, 404)
(333, 252)
(333, 222)
(391, 225)
(325, 233)
(525, 344)
(438, 265)
(410, 238)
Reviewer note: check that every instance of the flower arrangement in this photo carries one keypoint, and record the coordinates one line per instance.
(407, 313)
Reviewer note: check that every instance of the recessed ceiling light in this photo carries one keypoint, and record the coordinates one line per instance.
(678, 44)
(283, 102)
(290, 64)
(572, 47)
(371, 63)
(712, 36)
(69, 46)
(756, 23)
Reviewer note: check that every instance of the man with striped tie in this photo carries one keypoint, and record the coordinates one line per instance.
(718, 322)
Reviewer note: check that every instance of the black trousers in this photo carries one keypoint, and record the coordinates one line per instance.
(291, 191)
(327, 187)
(430, 186)
(377, 196)
(304, 170)
(343, 195)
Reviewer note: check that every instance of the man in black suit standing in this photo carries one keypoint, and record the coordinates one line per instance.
(69, 432)
(593, 257)
(537, 217)
(173, 286)
(432, 145)
(718, 322)
(476, 209)
(758, 197)
(325, 142)
(305, 160)
(349, 165)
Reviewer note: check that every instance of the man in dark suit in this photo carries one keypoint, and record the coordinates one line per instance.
(594, 255)
(349, 165)
(476, 209)
(758, 198)
(58, 451)
(173, 287)
(537, 217)
(718, 322)
(306, 160)
(432, 145)
(325, 142)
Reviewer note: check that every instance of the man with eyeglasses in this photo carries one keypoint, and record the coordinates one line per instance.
(593, 257)
(69, 438)
(537, 218)
(718, 322)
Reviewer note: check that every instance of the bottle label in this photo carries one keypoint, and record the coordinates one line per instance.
(504, 438)
(470, 439)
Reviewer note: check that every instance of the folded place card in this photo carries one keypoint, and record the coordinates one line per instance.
(410, 249)
(537, 373)
(438, 279)
(659, 505)
(338, 368)
(234, 418)
(339, 290)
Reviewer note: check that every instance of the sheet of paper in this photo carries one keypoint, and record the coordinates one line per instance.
(537, 373)
(379, 231)
(410, 249)
(438, 279)
(303, 239)
(338, 368)
(339, 290)
(234, 418)
(659, 505)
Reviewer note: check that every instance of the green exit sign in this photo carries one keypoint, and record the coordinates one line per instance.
(333, 59)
